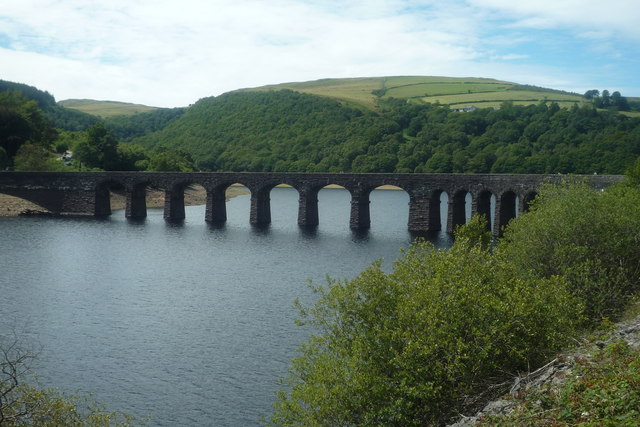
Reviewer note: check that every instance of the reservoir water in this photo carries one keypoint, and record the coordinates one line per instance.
(190, 323)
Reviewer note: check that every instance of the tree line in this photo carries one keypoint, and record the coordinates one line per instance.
(614, 101)
(37, 139)
(287, 131)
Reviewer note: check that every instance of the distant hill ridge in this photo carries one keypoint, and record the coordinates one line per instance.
(106, 109)
(453, 91)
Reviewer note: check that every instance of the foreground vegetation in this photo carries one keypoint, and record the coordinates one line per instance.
(440, 333)
(604, 391)
(22, 404)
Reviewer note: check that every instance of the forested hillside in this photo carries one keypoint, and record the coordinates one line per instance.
(59, 117)
(290, 131)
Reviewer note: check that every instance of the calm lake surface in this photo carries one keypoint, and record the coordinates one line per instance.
(189, 322)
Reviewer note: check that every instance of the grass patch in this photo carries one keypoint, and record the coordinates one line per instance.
(106, 109)
(530, 97)
(441, 88)
(366, 91)
(454, 91)
(356, 90)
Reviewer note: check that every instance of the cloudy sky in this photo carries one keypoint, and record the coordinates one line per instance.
(171, 53)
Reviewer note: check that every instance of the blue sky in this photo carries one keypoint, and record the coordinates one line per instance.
(171, 53)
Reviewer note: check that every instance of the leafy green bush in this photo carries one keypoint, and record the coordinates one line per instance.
(410, 347)
(38, 407)
(590, 238)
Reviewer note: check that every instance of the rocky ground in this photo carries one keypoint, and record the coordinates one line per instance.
(555, 372)
(13, 206)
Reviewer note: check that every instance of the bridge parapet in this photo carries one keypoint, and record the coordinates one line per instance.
(87, 193)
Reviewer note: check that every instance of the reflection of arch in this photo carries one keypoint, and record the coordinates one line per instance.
(457, 210)
(506, 210)
(527, 199)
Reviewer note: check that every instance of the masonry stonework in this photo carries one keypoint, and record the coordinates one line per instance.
(87, 193)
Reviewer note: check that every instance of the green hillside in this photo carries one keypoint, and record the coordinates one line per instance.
(289, 131)
(357, 125)
(105, 109)
(453, 91)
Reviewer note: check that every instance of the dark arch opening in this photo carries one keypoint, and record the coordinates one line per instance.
(527, 199)
(459, 209)
(485, 206)
(508, 210)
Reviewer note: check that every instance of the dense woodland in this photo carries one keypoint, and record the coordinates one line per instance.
(287, 131)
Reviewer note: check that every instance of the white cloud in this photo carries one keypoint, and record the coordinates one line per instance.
(169, 53)
(611, 17)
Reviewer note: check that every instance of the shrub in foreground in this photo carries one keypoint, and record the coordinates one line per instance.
(410, 347)
(24, 405)
(590, 238)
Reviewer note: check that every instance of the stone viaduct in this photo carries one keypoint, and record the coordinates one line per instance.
(87, 193)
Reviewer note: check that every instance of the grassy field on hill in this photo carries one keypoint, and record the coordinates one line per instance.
(453, 91)
(105, 109)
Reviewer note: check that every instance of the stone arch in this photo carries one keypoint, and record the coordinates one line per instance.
(102, 201)
(434, 217)
(31, 202)
(308, 206)
(136, 202)
(396, 189)
(216, 205)
(360, 215)
(457, 209)
(267, 193)
(482, 206)
(506, 210)
(174, 200)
